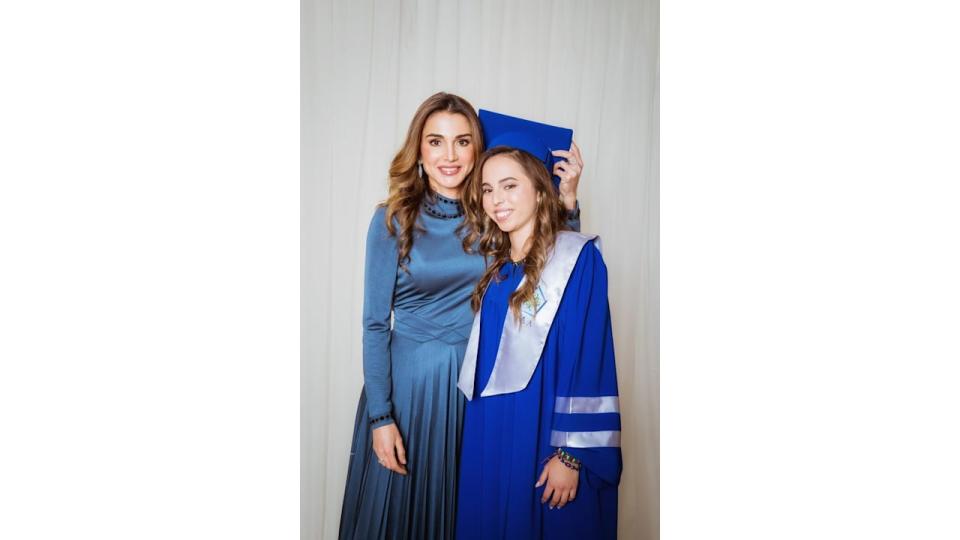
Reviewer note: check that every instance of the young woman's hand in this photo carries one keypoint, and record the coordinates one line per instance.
(388, 446)
(569, 173)
(561, 483)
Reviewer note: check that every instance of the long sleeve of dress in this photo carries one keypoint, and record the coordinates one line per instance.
(586, 419)
(380, 276)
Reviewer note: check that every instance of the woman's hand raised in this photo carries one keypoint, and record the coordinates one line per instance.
(569, 172)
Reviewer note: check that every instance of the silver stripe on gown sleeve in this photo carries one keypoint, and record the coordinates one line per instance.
(587, 405)
(585, 439)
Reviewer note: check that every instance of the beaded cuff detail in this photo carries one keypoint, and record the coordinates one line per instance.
(379, 419)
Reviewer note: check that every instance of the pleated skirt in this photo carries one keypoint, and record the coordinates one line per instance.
(428, 410)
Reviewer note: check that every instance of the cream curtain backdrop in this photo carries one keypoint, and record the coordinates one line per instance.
(366, 66)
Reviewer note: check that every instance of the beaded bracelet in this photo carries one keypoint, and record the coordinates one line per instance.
(379, 419)
(568, 460)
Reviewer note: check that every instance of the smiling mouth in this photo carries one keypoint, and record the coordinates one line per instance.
(448, 171)
(501, 215)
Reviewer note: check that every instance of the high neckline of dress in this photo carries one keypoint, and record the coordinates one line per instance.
(442, 207)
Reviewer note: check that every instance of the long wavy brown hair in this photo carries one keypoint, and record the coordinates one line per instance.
(485, 236)
(407, 187)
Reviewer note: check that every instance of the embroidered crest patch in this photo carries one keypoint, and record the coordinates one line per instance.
(530, 308)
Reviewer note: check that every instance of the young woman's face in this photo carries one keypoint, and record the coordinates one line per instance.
(509, 197)
(447, 152)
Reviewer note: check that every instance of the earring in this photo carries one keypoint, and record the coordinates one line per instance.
(420, 167)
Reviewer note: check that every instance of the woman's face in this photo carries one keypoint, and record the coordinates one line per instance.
(509, 197)
(447, 152)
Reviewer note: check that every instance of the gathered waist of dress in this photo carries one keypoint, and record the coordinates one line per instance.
(418, 328)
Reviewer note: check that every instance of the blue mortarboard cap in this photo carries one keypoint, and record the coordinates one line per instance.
(536, 138)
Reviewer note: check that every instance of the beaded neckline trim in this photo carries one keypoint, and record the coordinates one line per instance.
(434, 210)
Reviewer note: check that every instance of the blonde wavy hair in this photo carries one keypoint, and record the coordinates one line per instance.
(407, 188)
(484, 236)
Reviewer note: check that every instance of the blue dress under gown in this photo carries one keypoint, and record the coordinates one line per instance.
(507, 437)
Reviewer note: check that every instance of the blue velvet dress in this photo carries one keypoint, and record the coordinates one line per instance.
(572, 396)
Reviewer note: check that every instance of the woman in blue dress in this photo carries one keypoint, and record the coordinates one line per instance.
(402, 474)
(541, 436)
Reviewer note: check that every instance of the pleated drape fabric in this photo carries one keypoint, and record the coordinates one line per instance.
(366, 66)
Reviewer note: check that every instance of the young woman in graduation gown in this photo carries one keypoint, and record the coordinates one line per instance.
(541, 436)
(402, 474)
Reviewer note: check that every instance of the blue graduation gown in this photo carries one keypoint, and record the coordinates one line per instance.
(507, 437)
